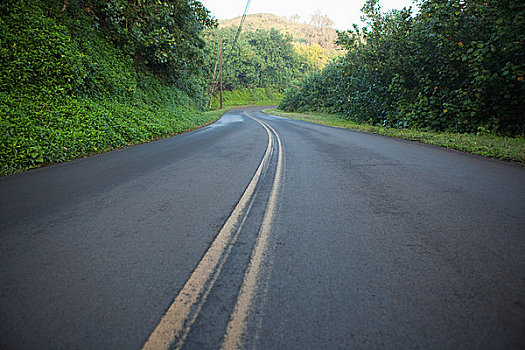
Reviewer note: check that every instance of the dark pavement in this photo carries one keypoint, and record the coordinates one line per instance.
(375, 243)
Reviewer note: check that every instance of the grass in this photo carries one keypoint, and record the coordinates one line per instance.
(504, 148)
(247, 97)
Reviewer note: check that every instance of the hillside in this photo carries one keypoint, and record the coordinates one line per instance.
(321, 34)
(74, 83)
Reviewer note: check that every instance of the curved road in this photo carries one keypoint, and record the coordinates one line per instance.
(264, 232)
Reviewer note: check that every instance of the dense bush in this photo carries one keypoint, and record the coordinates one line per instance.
(37, 54)
(67, 89)
(54, 39)
(38, 130)
(455, 66)
(322, 91)
(253, 97)
(260, 58)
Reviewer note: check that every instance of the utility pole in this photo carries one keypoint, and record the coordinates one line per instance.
(220, 67)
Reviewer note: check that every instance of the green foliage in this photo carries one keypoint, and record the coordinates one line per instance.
(316, 56)
(455, 66)
(260, 58)
(164, 34)
(245, 97)
(67, 91)
(319, 90)
(160, 36)
(39, 131)
(40, 57)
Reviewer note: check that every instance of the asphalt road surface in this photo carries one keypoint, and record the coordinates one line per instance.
(264, 232)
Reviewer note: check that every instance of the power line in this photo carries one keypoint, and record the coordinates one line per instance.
(242, 22)
(219, 76)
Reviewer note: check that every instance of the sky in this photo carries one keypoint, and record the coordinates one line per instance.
(343, 12)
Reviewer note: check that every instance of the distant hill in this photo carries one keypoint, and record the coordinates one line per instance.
(321, 34)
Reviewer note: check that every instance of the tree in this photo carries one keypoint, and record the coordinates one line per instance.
(457, 65)
(259, 59)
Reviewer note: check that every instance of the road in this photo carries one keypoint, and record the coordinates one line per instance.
(264, 232)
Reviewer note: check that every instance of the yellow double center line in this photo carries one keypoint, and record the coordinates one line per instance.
(237, 326)
(182, 313)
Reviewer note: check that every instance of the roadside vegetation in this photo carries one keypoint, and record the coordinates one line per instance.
(269, 55)
(511, 149)
(257, 67)
(455, 66)
(82, 77)
(87, 76)
(247, 97)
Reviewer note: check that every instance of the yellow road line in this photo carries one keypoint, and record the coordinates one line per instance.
(181, 314)
(237, 324)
